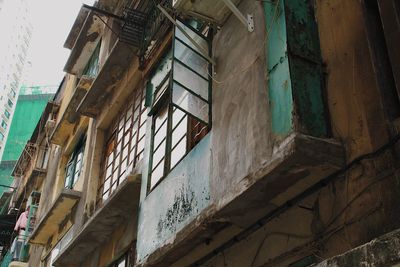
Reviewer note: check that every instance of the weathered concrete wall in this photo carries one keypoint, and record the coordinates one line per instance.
(358, 206)
(382, 251)
(183, 195)
(119, 243)
(50, 181)
(353, 98)
(242, 137)
(346, 213)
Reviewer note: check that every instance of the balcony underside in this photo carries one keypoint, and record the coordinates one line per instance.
(119, 60)
(76, 28)
(86, 42)
(49, 224)
(123, 204)
(299, 163)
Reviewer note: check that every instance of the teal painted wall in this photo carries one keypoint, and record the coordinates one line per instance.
(295, 78)
(279, 81)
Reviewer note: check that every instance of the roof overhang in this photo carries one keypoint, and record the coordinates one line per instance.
(85, 43)
(118, 62)
(123, 204)
(70, 116)
(50, 222)
(76, 28)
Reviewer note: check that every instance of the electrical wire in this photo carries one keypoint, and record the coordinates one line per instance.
(297, 199)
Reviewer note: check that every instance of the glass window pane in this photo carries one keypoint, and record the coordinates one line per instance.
(190, 58)
(141, 145)
(191, 80)
(159, 153)
(190, 103)
(157, 174)
(107, 184)
(179, 131)
(105, 195)
(178, 152)
(122, 263)
(195, 36)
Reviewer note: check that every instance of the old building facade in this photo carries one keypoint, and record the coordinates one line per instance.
(228, 133)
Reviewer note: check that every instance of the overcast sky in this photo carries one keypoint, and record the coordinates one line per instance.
(52, 21)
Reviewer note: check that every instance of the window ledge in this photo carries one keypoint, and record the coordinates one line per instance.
(123, 203)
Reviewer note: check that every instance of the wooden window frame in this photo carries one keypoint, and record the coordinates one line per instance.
(125, 144)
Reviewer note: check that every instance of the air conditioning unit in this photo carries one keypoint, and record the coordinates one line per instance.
(214, 11)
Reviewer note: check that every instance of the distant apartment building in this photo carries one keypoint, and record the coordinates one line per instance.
(29, 107)
(15, 32)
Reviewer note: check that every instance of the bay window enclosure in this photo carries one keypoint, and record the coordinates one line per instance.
(124, 146)
(181, 97)
(74, 165)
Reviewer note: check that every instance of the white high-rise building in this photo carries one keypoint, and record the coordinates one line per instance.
(15, 33)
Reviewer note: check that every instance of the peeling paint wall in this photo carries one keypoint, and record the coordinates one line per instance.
(184, 193)
(243, 135)
(358, 206)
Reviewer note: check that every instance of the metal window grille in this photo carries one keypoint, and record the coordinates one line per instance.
(181, 102)
(125, 145)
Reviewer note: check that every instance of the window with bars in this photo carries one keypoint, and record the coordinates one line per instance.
(74, 165)
(181, 97)
(125, 145)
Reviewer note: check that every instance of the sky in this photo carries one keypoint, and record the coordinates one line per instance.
(52, 21)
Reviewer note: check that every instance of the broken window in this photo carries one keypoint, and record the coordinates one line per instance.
(125, 145)
(181, 97)
(74, 165)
